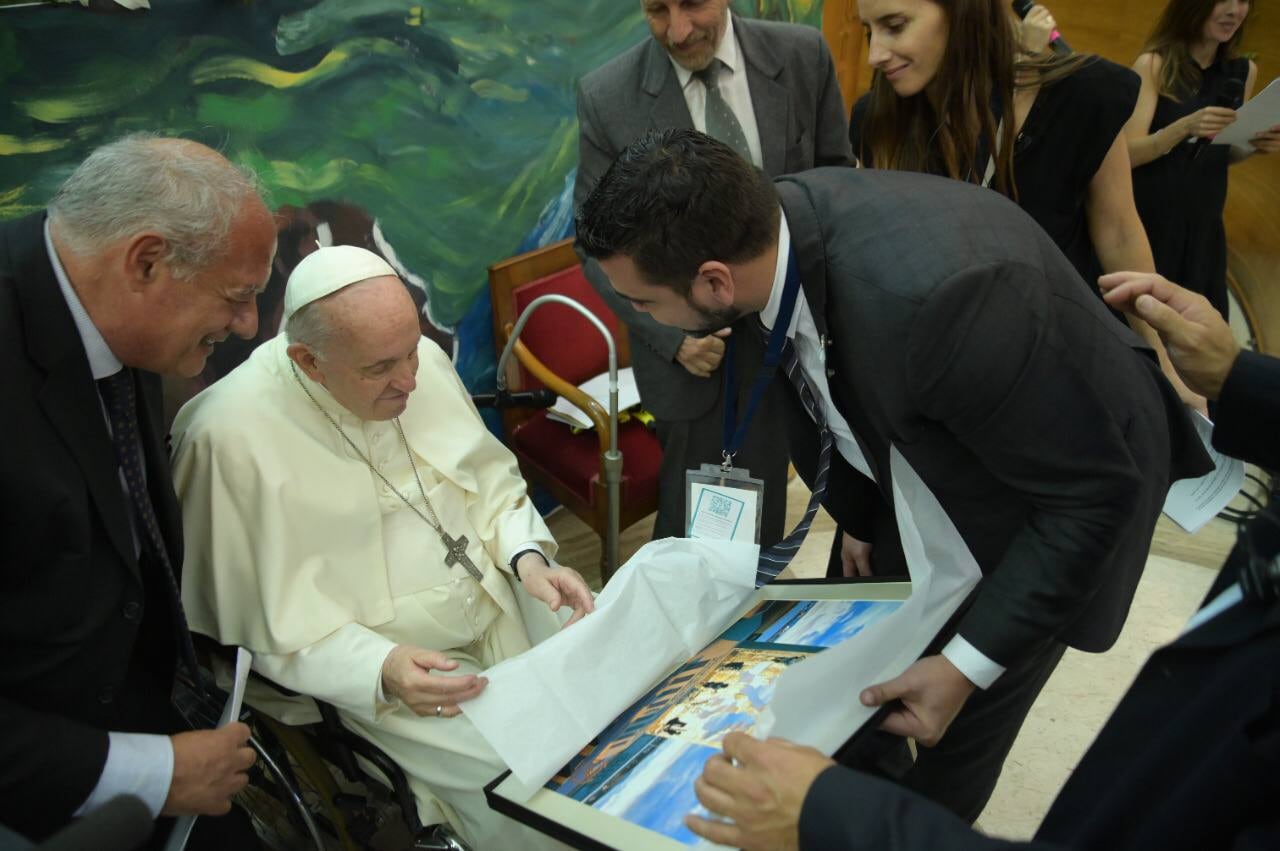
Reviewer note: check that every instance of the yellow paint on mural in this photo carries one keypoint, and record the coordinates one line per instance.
(239, 67)
(294, 176)
(10, 145)
(493, 90)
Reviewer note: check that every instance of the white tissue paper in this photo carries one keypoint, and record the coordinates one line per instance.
(664, 605)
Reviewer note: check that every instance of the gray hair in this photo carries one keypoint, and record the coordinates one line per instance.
(138, 184)
(310, 326)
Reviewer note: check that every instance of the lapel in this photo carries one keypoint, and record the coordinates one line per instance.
(770, 99)
(67, 393)
(658, 80)
(806, 242)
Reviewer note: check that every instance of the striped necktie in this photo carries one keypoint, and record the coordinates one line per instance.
(721, 123)
(775, 558)
(120, 398)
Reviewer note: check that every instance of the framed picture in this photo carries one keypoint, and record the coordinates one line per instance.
(631, 787)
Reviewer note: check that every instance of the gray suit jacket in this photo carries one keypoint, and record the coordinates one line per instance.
(801, 116)
(961, 334)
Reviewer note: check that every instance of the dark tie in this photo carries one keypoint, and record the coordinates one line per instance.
(775, 558)
(721, 123)
(120, 398)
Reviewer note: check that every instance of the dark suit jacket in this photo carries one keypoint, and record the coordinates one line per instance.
(960, 334)
(802, 123)
(1189, 760)
(86, 635)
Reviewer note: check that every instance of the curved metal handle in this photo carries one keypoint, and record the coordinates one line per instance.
(604, 332)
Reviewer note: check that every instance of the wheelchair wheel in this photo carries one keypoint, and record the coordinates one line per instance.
(282, 805)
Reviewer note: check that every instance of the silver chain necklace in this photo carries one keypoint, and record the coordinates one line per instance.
(455, 548)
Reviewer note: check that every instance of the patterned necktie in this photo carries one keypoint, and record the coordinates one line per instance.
(775, 558)
(120, 398)
(721, 123)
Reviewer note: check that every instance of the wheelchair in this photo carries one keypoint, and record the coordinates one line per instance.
(317, 785)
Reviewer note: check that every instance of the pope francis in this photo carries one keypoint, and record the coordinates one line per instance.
(350, 520)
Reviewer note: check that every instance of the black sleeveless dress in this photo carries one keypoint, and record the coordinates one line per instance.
(1181, 196)
(1070, 128)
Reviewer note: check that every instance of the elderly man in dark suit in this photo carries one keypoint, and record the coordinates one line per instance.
(1206, 774)
(769, 89)
(936, 318)
(151, 253)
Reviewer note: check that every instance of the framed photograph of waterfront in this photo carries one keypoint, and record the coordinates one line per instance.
(631, 787)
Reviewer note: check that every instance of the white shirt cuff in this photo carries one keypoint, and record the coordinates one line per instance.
(138, 764)
(971, 662)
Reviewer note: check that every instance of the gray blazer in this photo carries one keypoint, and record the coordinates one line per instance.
(801, 116)
(959, 333)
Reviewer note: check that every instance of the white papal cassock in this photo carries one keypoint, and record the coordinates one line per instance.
(296, 551)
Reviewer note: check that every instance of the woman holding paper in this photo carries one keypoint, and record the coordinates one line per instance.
(1193, 80)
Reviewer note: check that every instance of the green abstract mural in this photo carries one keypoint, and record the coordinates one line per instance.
(448, 124)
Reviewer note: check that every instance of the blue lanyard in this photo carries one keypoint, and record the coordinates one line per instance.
(773, 354)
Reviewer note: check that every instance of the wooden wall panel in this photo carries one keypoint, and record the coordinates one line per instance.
(1116, 29)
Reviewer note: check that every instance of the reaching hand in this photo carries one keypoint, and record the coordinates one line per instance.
(406, 674)
(1268, 141)
(1199, 341)
(1036, 30)
(761, 786)
(209, 768)
(930, 692)
(1208, 122)
(556, 586)
(855, 556)
(702, 355)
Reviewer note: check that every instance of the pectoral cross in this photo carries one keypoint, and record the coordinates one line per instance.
(456, 549)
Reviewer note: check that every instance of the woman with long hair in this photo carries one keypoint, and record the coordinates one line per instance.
(1193, 79)
(954, 93)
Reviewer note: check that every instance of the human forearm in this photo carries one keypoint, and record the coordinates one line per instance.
(1155, 145)
(344, 669)
(851, 811)
(49, 765)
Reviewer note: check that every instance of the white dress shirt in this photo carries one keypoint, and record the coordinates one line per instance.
(138, 764)
(732, 81)
(810, 351)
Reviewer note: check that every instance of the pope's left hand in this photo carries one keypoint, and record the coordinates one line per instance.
(556, 586)
(930, 694)
(761, 787)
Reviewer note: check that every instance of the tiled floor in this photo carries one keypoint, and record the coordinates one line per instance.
(1082, 691)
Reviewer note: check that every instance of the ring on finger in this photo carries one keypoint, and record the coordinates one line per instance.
(439, 710)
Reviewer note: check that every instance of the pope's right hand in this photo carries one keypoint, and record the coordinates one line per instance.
(209, 768)
(406, 674)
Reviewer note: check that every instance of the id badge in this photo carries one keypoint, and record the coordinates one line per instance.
(723, 505)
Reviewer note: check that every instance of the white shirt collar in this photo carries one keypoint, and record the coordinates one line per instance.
(102, 361)
(727, 53)
(769, 314)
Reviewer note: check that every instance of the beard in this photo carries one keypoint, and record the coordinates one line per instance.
(711, 321)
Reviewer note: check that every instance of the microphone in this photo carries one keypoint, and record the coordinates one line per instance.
(1056, 42)
(121, 824)
(1231, 97)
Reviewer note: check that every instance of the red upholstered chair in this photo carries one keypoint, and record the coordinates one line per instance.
(559, 349)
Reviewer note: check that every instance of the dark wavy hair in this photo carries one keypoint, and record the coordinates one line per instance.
(981, 62)
(675, 199)
(1180, 25)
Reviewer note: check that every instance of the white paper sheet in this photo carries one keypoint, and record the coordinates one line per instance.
(597, 388)
(1262, 112)
(663, 606)
(1191, 503)
(230, 712)
(816, 701)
